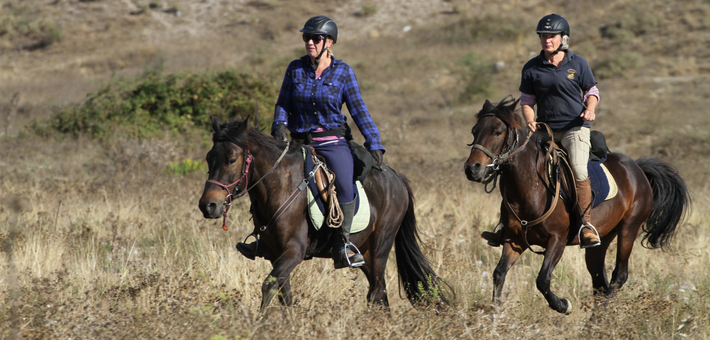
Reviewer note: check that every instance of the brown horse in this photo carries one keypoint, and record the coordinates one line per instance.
(271, 172)
(651, 193)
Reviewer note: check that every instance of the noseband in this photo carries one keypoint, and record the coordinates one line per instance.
(228, 200)
(245, 175)
(511, 148)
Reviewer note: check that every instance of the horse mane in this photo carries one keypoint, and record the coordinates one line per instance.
(240, 133)
(503, 110)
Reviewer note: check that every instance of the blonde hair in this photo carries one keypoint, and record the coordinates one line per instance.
(329, 49)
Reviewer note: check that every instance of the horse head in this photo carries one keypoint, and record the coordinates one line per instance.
(495, 135)
(228, 163)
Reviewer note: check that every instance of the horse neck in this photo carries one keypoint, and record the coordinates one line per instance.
(524, 172)
(273, 184)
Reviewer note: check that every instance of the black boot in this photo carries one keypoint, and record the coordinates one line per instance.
(254, 250)
(340, 258)
(495, 237)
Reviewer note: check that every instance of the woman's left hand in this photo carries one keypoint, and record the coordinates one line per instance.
(588, 115)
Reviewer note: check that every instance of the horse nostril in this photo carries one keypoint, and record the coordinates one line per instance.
(211, 207)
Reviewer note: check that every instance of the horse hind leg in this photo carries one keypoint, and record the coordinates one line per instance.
(624, 246)
(595, 258)
(374, 270)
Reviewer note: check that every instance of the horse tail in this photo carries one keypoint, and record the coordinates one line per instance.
(671, 202)
(421, 284)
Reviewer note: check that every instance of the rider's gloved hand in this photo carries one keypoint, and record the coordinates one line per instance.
(280, 132)
(378, 155)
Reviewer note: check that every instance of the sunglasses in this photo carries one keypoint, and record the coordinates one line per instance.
(315, 37)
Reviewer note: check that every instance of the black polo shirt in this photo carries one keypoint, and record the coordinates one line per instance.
(559, 90)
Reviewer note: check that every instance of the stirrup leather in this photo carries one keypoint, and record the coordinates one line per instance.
(579, 236)
(351, 264)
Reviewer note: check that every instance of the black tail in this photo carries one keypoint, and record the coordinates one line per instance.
(671, 202)
(420, 282)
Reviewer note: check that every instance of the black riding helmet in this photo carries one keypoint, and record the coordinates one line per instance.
(553, 23)
(322, 25)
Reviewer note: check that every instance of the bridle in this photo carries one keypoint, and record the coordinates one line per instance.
(505, 157)
(511, 147)
(245, 176)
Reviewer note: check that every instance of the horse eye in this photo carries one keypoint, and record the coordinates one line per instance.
(498, 133)
(232, 161)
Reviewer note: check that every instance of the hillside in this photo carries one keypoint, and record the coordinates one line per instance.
(103, 238)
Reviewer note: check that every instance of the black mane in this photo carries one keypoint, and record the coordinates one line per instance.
(240, 133)
(503, 110)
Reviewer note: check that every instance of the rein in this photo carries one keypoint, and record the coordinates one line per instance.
(504, 158)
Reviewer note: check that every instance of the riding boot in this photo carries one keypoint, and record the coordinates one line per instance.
(254, 250)
(494, 237)
(589, 236)
(341, 251)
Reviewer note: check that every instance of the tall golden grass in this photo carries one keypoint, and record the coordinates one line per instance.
(99, 241)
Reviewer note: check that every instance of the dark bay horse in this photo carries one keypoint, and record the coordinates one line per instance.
(243, 156)
(651, 193)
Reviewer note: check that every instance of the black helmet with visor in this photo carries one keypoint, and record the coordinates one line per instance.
(555, 24)
(320, 25)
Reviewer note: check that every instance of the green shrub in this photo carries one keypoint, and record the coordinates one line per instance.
(26, 27)
(157, 103)
(471, 29)
(476, 74)
(619, 64)
(187, 166)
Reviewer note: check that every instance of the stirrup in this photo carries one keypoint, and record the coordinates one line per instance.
(351, 264)
(579, 236)
(494, 237)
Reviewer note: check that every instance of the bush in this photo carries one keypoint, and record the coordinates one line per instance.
(619, 64)
(155, 103)
(187, 166)
(26, 28)
(469, 30)
(476, 75)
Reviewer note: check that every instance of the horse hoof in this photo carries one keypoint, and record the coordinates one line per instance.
(568, 310)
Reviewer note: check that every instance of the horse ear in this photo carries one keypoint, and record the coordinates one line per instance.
(215, 124)
(488, 106)
(515, 103)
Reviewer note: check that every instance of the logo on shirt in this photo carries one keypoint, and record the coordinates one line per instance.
(571, 74)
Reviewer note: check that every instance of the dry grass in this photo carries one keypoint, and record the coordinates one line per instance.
(99, 242)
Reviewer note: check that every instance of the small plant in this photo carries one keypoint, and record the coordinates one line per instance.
(366, 10)
(476, 75)
(619, 64)
(187, 166)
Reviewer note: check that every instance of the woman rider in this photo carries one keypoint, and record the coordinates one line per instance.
(563, 87)
(309, 106)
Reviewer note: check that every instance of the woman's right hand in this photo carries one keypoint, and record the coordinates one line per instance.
(280, 132)
(532, 126)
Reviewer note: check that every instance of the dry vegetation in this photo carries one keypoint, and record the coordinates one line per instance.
(100, 241)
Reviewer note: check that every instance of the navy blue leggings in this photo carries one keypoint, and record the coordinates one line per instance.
(339, 159)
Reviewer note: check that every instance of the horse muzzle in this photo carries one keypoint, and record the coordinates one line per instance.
(211, 208)
(475, 172)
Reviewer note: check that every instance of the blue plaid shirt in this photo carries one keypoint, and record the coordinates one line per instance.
(305, 102)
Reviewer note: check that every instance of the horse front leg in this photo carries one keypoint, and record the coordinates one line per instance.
(510, 254)
(278, 282)
(553, 254)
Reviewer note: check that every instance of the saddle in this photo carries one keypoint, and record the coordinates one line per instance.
(602, 182)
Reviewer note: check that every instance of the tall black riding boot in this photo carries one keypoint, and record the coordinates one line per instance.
(341, 251)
